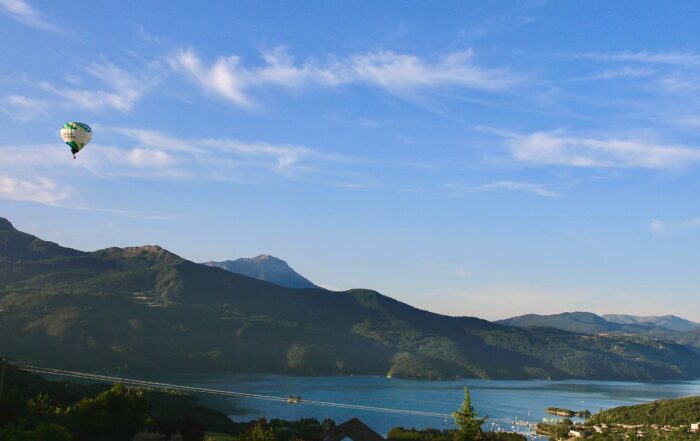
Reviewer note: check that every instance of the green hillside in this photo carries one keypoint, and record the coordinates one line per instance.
(682, 411)
(145, 309)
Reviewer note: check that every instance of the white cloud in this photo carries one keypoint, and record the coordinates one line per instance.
(679, 83)
(157, 140)
(148, 158)
(282, 158)
(662, 228)
(100, 160)
(657, 227)
(221, 78)
(125, 89)
(399, 72)
(673, 57)
(525, 187)
(23, 12)
(156, 155)
(20, 107)
(396, 73)
(40, 189)
(626, 72)
(285, 156)
(462, 274)
(557, 148)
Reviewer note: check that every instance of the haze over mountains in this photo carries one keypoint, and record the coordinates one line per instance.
(145, 309)
(265, 267)
(666, 321)
(668, 327)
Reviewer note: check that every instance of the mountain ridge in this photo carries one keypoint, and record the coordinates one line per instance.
(672, 322)
(146, 309)
(590, 323)
(577, 321)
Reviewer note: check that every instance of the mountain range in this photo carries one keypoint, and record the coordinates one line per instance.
(265, 267)
(668, 327)
(145, 309)
(672, 322)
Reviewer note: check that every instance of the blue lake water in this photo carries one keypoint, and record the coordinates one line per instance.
(502, 401)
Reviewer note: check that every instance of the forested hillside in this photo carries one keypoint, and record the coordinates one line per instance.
(146, 309)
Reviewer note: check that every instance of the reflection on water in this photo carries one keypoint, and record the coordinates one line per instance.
(502, 401)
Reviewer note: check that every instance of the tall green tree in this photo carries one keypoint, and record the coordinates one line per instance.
(467, 420)
(116, 414)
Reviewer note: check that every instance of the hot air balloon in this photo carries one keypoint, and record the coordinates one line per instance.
(76, 135)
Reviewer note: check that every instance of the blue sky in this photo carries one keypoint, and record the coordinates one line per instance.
(476, 158)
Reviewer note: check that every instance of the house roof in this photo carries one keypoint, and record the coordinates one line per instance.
(354, 429)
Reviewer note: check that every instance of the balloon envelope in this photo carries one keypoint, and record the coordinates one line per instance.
(76, 135)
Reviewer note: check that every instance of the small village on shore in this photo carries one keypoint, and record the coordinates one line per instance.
(645, 421)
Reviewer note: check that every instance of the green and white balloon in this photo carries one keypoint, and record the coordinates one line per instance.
(76, 135)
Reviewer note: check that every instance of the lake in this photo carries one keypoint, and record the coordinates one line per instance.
(502, 401)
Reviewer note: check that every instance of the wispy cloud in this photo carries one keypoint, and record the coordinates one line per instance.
(679, 83)
(125, 88)
(40, 190)
(285, 156)
(157, 140)
(396, 73)
(611, 74)
(46, 191)
(102, 161)
(688, 120)
(523, 187)
(657, 227)
(662, 228)
(221, 78)
(148, 154)
(462, 273)
(558, 148)
(24, 13)
(22, 108)
(672, 57)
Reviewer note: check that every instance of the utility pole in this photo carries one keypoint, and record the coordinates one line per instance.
(2, 375)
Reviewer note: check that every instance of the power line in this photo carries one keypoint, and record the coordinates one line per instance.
(111, 379)
(136, 382)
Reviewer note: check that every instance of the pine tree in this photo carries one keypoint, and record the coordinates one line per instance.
(467, 420)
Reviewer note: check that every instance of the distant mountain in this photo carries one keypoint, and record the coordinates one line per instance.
(672, 322)
(589, 323)
(141, 309)
(581, 322)
(267, 268)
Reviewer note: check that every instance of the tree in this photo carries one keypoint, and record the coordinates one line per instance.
(467, 420)
(259, 431)
(48, 432)
(40, 406)
(116, 414)
(187, 428)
